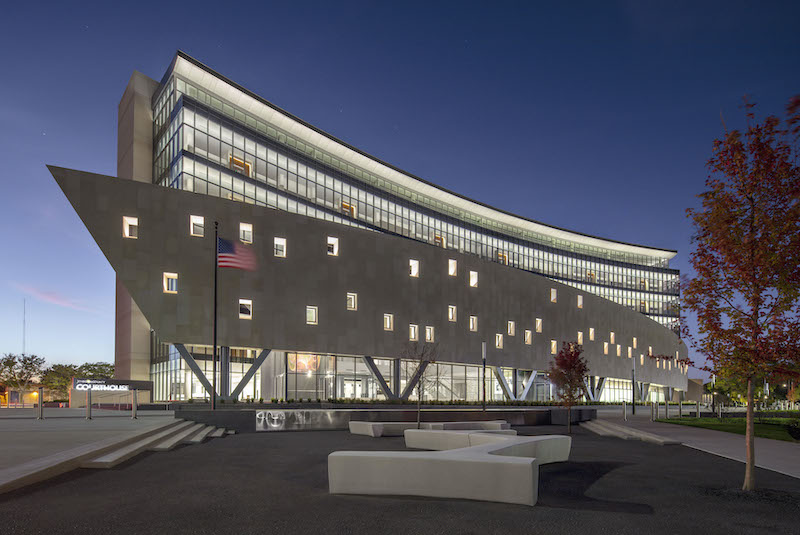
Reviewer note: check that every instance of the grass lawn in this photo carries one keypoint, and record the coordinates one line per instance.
(777, 429)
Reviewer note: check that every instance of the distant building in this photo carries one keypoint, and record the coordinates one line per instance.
(356, 258)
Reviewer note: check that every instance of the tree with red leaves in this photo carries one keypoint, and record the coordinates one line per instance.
(746, 288)
(568, 373)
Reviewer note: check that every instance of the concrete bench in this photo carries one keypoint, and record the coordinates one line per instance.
(497, 468)
(477, 424)
(433, 439)
(396, 429)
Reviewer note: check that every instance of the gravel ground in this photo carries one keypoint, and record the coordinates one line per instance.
(277, 483)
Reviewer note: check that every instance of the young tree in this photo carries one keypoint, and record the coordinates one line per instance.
(96, 370)
(747, 261)
(20, 371)
(568, 372)
(58, 378)
(423, 354)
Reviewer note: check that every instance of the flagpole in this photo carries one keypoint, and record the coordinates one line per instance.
(214, 358)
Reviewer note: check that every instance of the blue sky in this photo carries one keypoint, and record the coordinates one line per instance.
(598, 117)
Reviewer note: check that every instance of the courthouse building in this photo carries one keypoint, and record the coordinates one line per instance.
(357, 260)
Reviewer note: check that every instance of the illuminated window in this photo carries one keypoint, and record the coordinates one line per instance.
(440, 241)
(452, 267)
(649, 350)
(451, 313)
(352, 301)
(669, 365)
(280, 247)
(413, 268)
(473, 279)
(580, 338)
(388, 322)
(245, 232)
(502, 257)
(498, 341)
(528, 337)
(641, 359)
(429, 334)
(658, 363)
(676, 355)
(591, 334)
(197, 224)
(605, 348)
(349, 209)
(473, 323)
(311, 315)
(413, 332)
(170, 283)
(333, 246)
(619, 350)
(553, 347)
(553, 295)
(580, 301)
(239, 165)
(635, 342)
(611, 337)
(511, 328)
(130, 227)
(245, 309)
(630, 352)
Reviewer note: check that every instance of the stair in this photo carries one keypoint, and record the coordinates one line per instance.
(218, 432)
(177, 438)
(606, 428)
(199, 437)
(115, 457)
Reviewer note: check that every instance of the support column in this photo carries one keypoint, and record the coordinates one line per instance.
(224, 372)
(396, 376)
(501, 378)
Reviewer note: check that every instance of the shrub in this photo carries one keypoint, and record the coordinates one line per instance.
(794, 429)
(261, 400)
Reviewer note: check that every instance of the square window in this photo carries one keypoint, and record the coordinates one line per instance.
(580, 338)
(130, 227)
(635, 342)
(538, 325)
(611, 337)
(333, 246)
(498, 341)
(170, 283)
(197, 225)
(388, 322)
(452, 268)
(245, 309)
(311, 315)
(429, 334)
(605, 348)
(451, 313)
(352, 301)
(473, 323)
(553, 347)
(528, 337)
(511, 328)
(245, 232)
(280, 247)
(553, 295)
(413, 268)
(619, 350)
(413, 332)
(473, 279)
(580, 301)
(591, 334)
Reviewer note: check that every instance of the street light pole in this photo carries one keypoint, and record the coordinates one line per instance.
(633, 388)
(483, 382)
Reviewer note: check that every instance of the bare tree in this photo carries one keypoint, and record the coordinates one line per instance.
(423, 354)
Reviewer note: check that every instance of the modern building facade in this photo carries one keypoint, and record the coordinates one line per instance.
(359, 265)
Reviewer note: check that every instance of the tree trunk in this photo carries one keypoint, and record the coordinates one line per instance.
(569, 419)
(419, 402)
(750, 443)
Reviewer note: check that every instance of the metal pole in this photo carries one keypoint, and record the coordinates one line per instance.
(680, 409)
(134, 404)
(697, 410)
(214, 356)
(89, 404)
(483, 382)
(633, 388)
(40, 407)
(624, 411)
(652, 413)
(666, 409)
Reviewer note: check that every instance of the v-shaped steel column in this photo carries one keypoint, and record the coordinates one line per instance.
(189, 360)
(414, 379)
(528, 386)
(250, 373)
(503, 383)
(376, 373)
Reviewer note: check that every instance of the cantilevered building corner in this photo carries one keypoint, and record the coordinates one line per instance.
(356, 258)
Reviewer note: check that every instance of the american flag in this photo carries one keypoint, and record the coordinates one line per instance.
(235, 255)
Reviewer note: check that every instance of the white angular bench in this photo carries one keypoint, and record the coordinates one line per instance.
(396, 429)
(433, 439)
(493, 467)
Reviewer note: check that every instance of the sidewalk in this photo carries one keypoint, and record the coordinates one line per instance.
(776, 455)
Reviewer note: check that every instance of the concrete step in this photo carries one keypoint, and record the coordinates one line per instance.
(113, 458)
(183, 435)
(630, 433)
(218, 432)
(199, 437)
(597, 429)
(231, 431)
(618, 431)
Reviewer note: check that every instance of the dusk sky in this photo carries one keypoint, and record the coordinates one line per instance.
(594, 116)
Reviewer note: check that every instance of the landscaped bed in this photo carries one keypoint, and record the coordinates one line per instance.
(775, 428)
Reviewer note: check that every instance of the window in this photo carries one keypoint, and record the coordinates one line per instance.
(528, 337)
(452, 267)
(605, 348)
(580, 338)
(413, 268)
(635, 342)
(611, 337)
(658, 363)
(553, 347)
(498, 341)
(440, 241)
(429, 334)
(245, 232)
(311, 315)
(197, 225)
(538, 325)
(641, 359)
(413, 332)
(352, 301)
(669, 365)
(388, 322)
(511, 328)
(553, 295)
(349, 209)
(280, 247)
(170, 283)
(245, 309)
(619, 350)
(502, 257)
(630, 352)
(580, 301)
(239, 165)
(473, 279)
(591, 334)
(451, 313)
(473, 323)
(649, 350)
(333, 246)
(130, 227)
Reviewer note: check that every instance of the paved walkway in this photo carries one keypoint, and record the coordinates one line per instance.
(776, 455)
